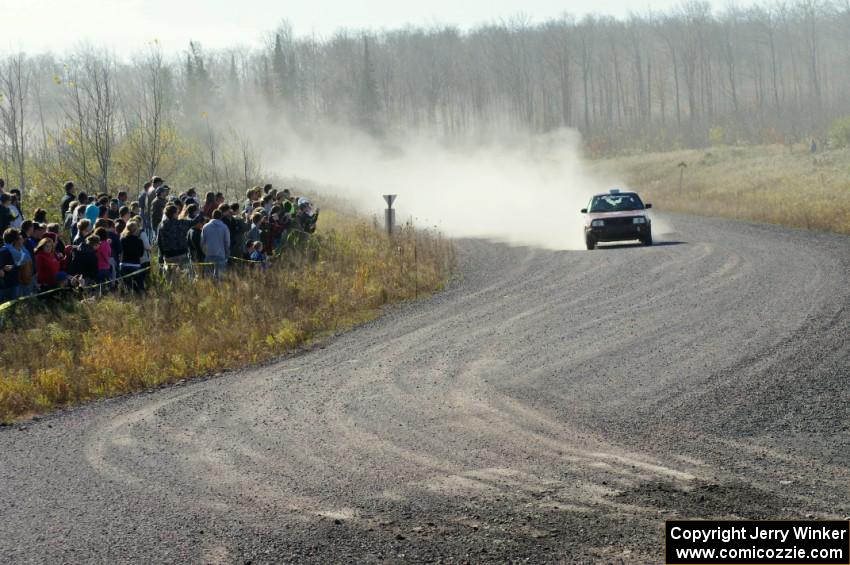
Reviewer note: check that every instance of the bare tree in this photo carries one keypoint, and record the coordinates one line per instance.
(15, 79)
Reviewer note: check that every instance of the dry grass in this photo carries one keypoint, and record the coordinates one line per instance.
(772, 184)
(77, 351)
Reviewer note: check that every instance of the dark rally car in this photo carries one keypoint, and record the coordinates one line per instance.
(616, 216)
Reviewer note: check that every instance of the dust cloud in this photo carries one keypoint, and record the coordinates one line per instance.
(521, 189)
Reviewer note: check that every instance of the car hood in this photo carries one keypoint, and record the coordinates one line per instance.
(629, 214)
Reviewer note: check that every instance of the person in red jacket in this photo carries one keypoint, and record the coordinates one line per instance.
(47, 266)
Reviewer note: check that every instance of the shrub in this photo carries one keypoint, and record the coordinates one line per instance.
(717, 136)
(839, 132)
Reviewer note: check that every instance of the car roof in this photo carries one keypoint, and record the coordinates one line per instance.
(616, 193)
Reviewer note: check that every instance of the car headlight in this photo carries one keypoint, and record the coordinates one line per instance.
(639, 220)
(597, 223)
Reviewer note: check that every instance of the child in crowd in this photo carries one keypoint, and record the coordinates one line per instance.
(104, 254)
(258, 256)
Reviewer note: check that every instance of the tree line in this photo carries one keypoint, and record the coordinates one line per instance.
(777, 72)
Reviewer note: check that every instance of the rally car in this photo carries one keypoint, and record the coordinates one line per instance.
(616, 216)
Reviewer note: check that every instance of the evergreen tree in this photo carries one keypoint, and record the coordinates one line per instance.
(199, 87)
(233, 85)
(279, 69)
(369, 103)
(267, 82)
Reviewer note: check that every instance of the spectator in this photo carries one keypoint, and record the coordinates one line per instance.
(58, 244)
(306, 216)
(122, 198)
(104, 254)
(11, 258)
(6, 216)
(251, 195)
(215, 239)
(193, 239)
(78, 212)
(68, 218)
(84, 229)
(32, 233)
(158, 207)
(131, 261)
(209, 204)
(17, 215)
(156, 184)
(258, 256)
(238, 228)
(142, 204)
(67, 199)
(277, 226)
(256, 231)
(18, 202)
(114, 209)
(190, 212)
(172, 237)
(26, 279)
(289, 210)
(92, 211)
(115, 245)
(40, 216)
(146, 243)
(48, 266)
(84, 261)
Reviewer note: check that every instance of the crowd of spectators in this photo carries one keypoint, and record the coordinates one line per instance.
(109, 242)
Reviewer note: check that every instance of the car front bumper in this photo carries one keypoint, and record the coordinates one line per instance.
(618, 232)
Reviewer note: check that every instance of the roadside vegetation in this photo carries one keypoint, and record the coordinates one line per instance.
(787, 185)
(65, 352)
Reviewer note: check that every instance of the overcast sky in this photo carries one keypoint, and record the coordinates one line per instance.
(126, 25)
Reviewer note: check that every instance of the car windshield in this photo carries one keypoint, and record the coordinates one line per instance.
(616, 203)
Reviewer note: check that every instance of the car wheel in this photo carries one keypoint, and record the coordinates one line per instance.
(590, 242)
(648, 239)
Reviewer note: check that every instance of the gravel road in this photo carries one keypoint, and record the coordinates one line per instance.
(548, 407)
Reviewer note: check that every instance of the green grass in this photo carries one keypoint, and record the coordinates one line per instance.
(772, 184)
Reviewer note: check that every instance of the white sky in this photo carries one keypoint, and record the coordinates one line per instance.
(126, 25)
